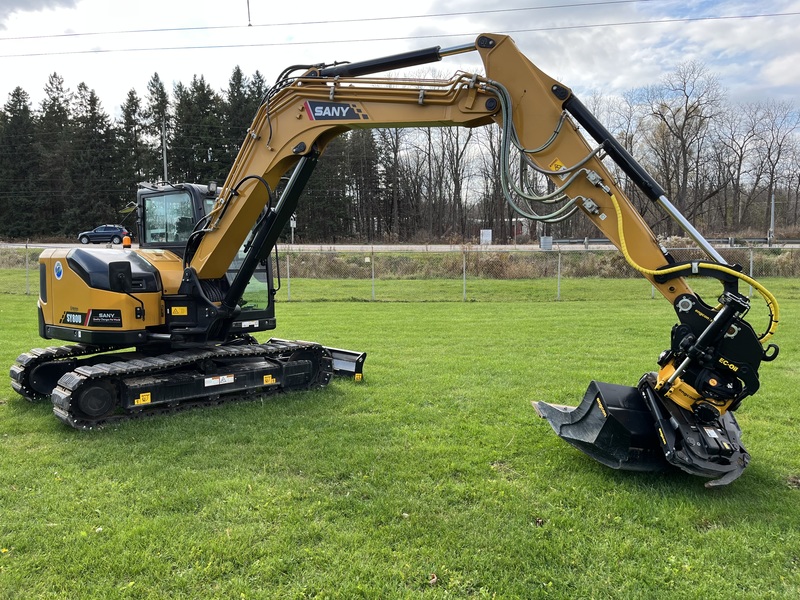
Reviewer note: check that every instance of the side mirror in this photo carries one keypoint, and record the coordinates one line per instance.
(120, 277)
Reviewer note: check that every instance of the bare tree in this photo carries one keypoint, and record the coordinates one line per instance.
(626, 115)
(777, 142)
(494, 211)
(435, 209)
(793, 187)
(681, 110)
(391, 142)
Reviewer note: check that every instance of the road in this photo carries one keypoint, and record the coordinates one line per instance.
(357, 248)
(369, 248)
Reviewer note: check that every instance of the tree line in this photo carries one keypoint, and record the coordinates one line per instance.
(67, 166)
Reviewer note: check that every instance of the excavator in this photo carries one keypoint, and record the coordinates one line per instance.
(170, 325)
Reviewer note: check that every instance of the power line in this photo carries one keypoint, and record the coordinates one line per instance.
(404, 38)
(326, 22)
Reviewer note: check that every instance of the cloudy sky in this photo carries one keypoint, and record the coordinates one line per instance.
(609, 46)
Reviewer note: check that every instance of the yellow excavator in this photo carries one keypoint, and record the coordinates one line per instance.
(162, 327)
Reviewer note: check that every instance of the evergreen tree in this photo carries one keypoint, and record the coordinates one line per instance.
(323, 214)
(93, 167)
(257, 89)
(19, 166)
(366, 185)
(64, 165)
(237, 115)
(131, 147)
(241, 103)
(197, 150)
(156, 130)
(54, 143)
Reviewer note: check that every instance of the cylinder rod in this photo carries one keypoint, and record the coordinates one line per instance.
(457, 50)
(690, 230)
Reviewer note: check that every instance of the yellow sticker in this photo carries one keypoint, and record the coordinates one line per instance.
(144, 398)
(269, 380)
(358, 377)
(557, 165)
(180, 311)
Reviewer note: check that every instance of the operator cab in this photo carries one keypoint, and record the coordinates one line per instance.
(168, 214)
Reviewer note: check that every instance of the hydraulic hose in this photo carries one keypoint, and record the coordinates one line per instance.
(769, 299)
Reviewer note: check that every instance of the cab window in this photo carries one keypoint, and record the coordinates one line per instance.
(167, 218)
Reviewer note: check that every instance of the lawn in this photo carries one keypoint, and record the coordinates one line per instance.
(433, 478)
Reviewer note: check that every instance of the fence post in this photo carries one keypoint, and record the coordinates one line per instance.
(288, 280)
(372, 263)
(558, 277)
(464, 272)
(750, 293)
(27, 271)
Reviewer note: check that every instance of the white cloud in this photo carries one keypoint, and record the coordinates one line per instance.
(748, 55)
(8, 7)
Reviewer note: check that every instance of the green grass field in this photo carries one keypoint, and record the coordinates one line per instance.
(433, 478)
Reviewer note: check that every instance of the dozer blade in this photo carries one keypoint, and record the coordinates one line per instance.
(612, 424)
(346, 363)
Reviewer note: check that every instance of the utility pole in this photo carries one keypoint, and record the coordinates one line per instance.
(771, 232)
(164, 147)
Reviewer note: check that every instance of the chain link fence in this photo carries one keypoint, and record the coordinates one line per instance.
(464, 274)
(19, 270)
(471, 274)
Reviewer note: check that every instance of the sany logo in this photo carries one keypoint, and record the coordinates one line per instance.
(330, 111)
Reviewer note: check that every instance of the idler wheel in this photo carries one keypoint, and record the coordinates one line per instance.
(97, 400)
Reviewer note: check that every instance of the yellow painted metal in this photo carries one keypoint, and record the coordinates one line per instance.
(536, 111)
(269, 148)
(680, 392)
(683, 394)
(169, 265)
(70, 294)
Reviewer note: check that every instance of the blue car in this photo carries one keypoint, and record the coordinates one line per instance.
(105, 233)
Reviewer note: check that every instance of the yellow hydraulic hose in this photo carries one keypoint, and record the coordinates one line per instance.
(772, 303)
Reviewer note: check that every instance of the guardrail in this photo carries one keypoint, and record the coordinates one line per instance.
(730, 242)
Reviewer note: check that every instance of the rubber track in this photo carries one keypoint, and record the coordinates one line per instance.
(71, 382)
(27, 360)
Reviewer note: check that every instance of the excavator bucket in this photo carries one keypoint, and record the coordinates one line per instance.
(634, 429)
(612, 424)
